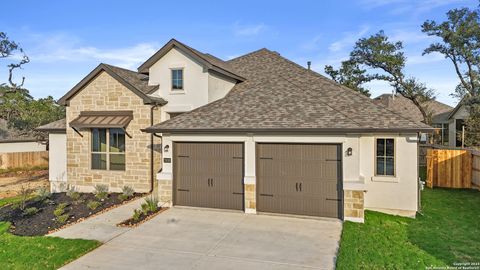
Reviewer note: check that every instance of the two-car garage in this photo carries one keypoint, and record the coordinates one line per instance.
(300, 179)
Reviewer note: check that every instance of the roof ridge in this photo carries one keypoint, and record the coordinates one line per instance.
(250, 53)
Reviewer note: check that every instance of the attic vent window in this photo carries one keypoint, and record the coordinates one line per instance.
(177, 79)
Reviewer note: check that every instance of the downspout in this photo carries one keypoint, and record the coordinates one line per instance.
(152, 173)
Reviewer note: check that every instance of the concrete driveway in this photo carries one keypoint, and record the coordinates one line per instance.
(183, 238)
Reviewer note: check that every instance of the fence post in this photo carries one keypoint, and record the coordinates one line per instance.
(430, 168)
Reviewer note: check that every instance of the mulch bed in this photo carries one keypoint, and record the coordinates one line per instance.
(45, 221)
(143, 218)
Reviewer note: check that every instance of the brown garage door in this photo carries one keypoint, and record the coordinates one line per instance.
(301, 179)
(208, 175)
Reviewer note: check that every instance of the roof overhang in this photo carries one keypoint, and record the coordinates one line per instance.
(289, 130)
(102, 119)
(65, 100)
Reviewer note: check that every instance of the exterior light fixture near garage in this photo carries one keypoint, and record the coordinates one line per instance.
(165, 148)
(349, 151)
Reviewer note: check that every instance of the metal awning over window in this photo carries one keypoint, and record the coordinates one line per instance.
(102, 119)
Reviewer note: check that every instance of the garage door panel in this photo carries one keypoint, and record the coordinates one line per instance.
(302, 179)
(211, 172)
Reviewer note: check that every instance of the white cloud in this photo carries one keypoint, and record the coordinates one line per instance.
(348, 39)
(63, 48)
(249, 30)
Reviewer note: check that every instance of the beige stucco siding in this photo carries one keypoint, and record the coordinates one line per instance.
(105, 93)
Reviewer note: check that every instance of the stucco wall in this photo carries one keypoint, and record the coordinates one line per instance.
(200, 86)
(104, 94)
(57, 157)
(195, 82)
(218, 86)
(10, 147)
(398, 193)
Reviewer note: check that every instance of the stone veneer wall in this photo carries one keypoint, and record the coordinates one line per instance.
(354, 205)
(250, 198)
(104, 93)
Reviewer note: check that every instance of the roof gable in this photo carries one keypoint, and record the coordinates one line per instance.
(207, 60)
(130, 79)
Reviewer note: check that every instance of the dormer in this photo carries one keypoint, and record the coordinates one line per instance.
(187, 78)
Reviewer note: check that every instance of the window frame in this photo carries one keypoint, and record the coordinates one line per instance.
(107, 153)
(175, 90)
(375, 157)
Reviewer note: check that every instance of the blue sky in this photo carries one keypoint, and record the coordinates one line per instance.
(67, 39)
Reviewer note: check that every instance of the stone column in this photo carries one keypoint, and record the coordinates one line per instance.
(353, 206)
(249, 182)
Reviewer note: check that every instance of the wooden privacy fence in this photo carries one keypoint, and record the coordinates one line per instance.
(449, 168)
(23, 159)
(476, 168)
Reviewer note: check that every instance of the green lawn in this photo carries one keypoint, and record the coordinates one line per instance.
(39, 252)
(448, 232)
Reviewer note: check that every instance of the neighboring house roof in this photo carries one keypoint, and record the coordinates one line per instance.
(136, 82)
(406, 107)
(281, 96)
(455, 110)
(59, 126)
(209, 61)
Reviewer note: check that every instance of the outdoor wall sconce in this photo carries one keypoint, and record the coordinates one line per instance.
(165, 149)
(349, 151)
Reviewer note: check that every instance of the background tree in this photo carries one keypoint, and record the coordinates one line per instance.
(23, 113)
(460, 43)
(385, 61)
(351, 75)
(7, 49)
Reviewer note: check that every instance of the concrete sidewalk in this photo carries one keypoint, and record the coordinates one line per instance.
(102, 227)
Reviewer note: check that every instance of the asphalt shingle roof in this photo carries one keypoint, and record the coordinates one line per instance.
(279, 95)
(406, 107)
(55, 126)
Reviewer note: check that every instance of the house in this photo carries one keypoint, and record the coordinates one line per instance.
(406, 108)
(451, 125)
(257, 133)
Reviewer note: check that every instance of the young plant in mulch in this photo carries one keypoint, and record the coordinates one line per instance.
(127, 192)
(101, 192)
(30, 211)
(74, 195)
(148, 210)
(92, 204)
(59, 212)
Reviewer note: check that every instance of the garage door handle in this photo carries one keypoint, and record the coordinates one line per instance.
(180, 189)
(296, 186)
(268, 195)
(328, 199)
(237, 193)
(300, 186)
(182, 156)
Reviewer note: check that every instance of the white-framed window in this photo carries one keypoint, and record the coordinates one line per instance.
(385, 157)
(108, 149)
(177, 79)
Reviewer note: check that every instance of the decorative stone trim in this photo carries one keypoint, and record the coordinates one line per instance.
(165, 192)
(354, 205)
(250, 199)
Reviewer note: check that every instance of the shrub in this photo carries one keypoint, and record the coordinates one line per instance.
(42, 193)
(92, 205)
(151, 203)
(127, 191)
(60, 210)
(30, 211)
(122, 197)
(136, 215)
(24, 195)
(72, 194)
(101, 191)
(63, 218)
